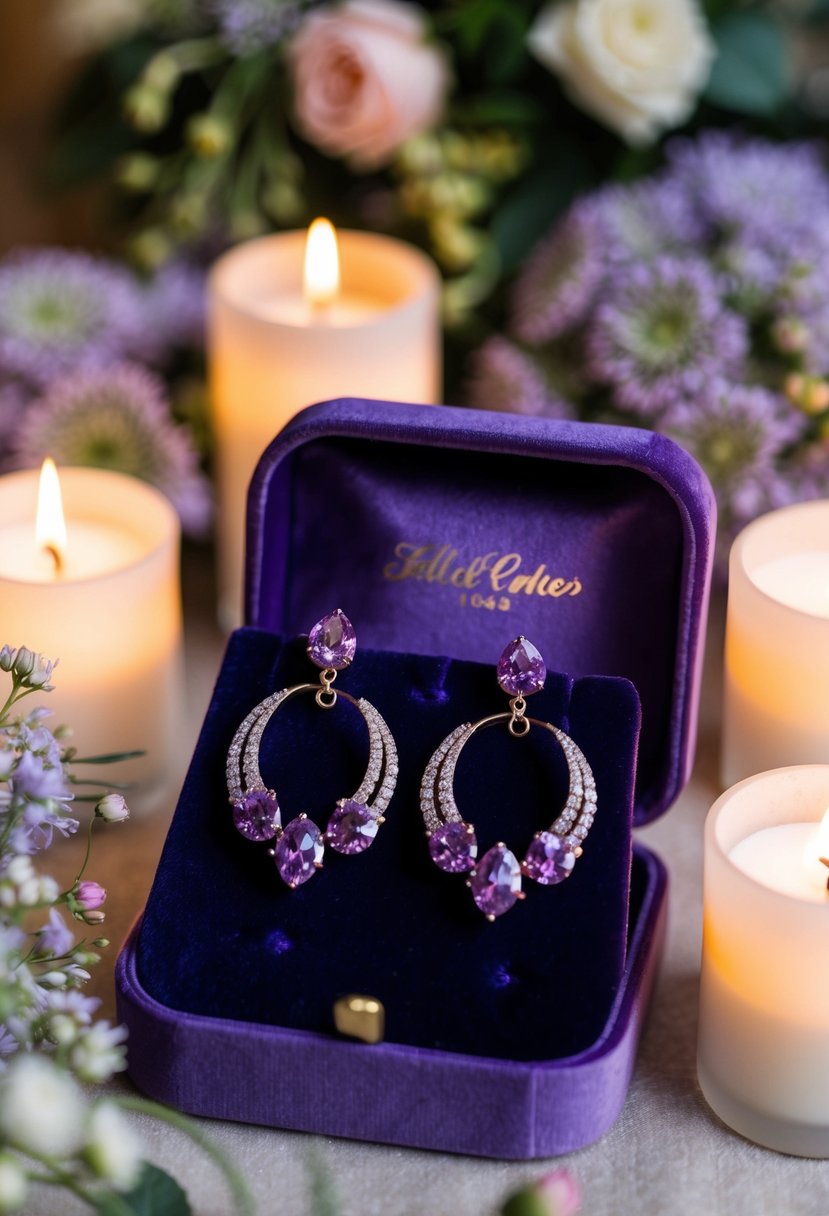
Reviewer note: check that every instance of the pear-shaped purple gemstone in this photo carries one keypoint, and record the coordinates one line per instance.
(496, 883)
(298, 852)
(549, 860)
(256, 815)
(332, 642)
(521, 670)
(351, 828)
(453, 847)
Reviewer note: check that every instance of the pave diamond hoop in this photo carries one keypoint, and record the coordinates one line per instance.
(496, 880)
(299, 846)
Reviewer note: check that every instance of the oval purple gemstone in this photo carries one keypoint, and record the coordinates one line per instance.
(521, 670)
(332, 642)
(256, 815)
(496, 883)
(299, 852)
(453, 847)
(351, 828)
(549, 860)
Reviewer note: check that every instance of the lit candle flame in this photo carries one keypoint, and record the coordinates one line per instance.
(50, 525)
(321, 281)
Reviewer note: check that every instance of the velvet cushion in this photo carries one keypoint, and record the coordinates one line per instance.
(223, 936)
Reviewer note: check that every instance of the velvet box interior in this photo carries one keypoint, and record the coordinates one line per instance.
(443, 534)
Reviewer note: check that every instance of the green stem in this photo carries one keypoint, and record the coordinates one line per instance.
(63, 1178)
(85, 861)
(236, 1183)
(101, 785)
(112, 758)
(17, 694)
(196, 53)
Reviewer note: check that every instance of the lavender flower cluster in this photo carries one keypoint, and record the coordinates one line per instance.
(82, 343)
(694, 302)
(49, 1038)
(42, 966)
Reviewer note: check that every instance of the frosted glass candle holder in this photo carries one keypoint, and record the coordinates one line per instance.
(776, 698)
(763, 1054)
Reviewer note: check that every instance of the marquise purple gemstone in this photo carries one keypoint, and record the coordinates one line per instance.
(299, 852)
(521, 670)
(256, 815)
(549, 860)
(351, 828)
(453, 847)
(496, 883)
(332, 642)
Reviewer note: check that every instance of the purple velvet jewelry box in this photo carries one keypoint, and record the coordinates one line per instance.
(443, 533)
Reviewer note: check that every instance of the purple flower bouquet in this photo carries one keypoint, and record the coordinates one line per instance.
(693, 302)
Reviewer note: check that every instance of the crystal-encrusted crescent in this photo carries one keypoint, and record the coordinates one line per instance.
(496, 880)
(299, 846)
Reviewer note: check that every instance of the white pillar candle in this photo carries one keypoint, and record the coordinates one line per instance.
(763, 1056)
(275, 347)
(111, 614)
(776, 704)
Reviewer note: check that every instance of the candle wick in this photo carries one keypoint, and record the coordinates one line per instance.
(57, 558)
(321, 310)
(824, 861)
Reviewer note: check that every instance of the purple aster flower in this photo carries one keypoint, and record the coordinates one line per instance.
(737, 433)
(249, 26)
(807, 474)
(561, 278)
(12, 405)
(505, 378)
(740, 184)
(652, 217)
(662, 334)
(174, 307)
(61, 310)
(55, 939)
(750, 275)
(118, 418)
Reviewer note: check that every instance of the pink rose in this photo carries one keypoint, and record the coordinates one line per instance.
(364, 80)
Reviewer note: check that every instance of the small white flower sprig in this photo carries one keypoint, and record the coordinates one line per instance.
(51, 1131)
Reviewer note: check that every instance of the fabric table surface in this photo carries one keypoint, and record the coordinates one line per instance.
(668, 1154)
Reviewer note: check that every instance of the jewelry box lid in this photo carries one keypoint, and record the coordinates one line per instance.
(449, 531)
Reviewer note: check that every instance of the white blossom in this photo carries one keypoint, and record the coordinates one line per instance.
(40, 1107)
(112, 1149)
(99, 1052)
(12, 1184)
(112, 808)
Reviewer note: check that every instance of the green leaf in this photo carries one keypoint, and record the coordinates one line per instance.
(155, 1194)
(528, 211)
(751, 72)
(499, 109)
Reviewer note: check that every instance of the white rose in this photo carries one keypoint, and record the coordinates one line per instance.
(635, 65)
(365, 80)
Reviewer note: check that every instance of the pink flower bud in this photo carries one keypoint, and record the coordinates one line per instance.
(90, 895)
(556, 1194)
(560, 1192)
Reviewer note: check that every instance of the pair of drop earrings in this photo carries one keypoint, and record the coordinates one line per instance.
(496, 880)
